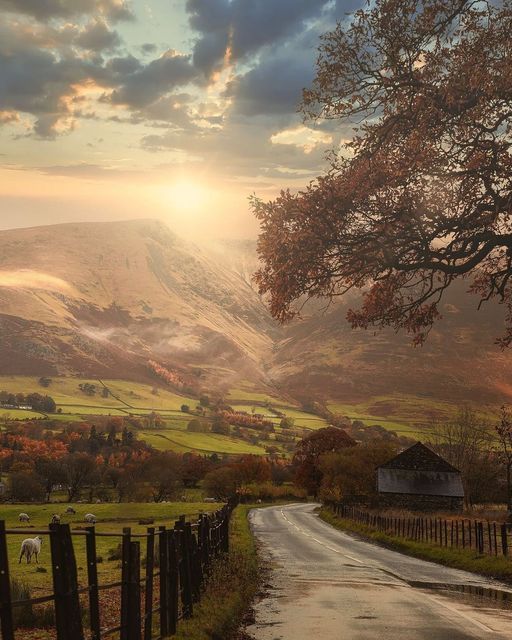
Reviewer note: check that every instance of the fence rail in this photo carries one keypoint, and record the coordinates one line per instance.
(484, 537)
(179, 566)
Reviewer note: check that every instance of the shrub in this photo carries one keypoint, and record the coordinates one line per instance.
(27, 615)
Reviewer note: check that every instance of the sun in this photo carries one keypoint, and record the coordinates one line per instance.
(186, 195)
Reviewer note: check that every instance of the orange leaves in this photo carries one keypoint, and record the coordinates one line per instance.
(424, 197)
(171, 377)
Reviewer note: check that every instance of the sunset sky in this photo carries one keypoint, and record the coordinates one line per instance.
(176, 109)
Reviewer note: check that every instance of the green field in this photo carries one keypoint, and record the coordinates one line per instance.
(199, 442)
(111, 518)
(407, 415)
(131, 398)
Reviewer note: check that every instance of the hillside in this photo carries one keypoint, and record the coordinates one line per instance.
(102, 300)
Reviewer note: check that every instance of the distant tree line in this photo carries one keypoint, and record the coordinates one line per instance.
(38, 402)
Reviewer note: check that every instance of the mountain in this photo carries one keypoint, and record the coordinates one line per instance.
(106, 299)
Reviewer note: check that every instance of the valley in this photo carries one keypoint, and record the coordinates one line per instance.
(160, 320)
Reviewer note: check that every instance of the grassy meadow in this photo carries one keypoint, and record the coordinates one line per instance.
(410, 416)
(111, 519)
(138, 399)
(406, 415)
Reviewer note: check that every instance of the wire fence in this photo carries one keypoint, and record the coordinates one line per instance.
(156, 591)
(484, 537)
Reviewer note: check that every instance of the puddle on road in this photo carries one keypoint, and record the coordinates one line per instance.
(477, 595)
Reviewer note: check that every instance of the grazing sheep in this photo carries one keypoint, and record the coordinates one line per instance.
(210, 500)
(90, 518)
(70, 511)
(55, 519)
(24, 517)
(31, 547)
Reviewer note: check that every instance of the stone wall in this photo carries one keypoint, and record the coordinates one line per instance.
(412, 502)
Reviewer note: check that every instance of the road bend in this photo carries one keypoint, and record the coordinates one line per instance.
(328, 585)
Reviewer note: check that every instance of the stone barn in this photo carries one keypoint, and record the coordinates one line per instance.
(419, 480)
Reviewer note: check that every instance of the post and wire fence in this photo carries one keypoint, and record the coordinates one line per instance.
(484, 537)
(155, 592)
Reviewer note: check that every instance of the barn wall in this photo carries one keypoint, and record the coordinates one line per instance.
(420, 503)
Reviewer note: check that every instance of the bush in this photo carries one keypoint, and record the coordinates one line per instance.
(27, 615)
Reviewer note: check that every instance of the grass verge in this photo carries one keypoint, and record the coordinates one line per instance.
(496, 567)
(230, 590)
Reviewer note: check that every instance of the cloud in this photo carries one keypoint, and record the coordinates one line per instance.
(303, 137)
(241, 148)
(148, 83)
(113, 10)
(275, 85)
(245, 26)
(55, 74)
(97, 36)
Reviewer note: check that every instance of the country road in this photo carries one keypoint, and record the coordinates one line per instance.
(327, 585)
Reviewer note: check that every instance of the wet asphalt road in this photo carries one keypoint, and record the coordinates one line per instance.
(329, 585)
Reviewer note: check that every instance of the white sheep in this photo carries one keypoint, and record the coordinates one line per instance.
(90, 518)
(31, 547)
(24, 517)
(71, 511)
(55, 519)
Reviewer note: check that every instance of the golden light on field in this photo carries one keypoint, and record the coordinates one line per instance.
(186, 195)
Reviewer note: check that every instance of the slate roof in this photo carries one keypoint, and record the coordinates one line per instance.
(419, 458)
(419, 471)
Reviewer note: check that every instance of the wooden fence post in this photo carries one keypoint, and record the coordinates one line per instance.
(68, 617)
(133, 592)
(173, 581)
(148, 593)
(480, 537)
(92, 581)
(504, 541)
(185, 570)
(164, 581)
(125, 572)
(6, 621)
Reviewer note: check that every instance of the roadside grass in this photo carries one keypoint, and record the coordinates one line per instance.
(230, 590)
(496, 567)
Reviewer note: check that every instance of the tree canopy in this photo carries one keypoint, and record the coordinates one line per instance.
(421, 195)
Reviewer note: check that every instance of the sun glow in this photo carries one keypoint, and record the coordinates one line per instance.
(186, 195)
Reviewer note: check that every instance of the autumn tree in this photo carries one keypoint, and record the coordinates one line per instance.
(162, 472)
(79, 469)
(352, 471)
(308, 473)
(504, 433)
(466, 442)
(421, 195)
(221, 483)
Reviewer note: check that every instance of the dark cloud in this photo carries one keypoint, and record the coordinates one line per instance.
(97, 36)
(41, 72)
(34, 80)
(148, 83)
(148, 47)
(275, 85)
(47, 9)
(245, 25)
